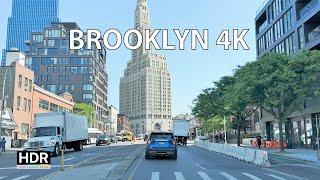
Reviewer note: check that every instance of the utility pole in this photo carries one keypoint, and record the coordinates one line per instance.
(318, 142)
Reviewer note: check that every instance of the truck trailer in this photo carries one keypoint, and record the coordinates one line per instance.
(58, 130)
(181, 131)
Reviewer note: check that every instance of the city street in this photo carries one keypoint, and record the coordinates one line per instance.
(103, 157)
(196, 163)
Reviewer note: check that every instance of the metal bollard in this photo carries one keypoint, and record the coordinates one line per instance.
(62, 159)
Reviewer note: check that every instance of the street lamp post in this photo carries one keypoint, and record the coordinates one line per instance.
(2, 98)
(318, 141)
(225, 129)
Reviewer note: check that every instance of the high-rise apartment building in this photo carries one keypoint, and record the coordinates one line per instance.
(28, 16)
(290, 26)
(58, 69)
(145, 88)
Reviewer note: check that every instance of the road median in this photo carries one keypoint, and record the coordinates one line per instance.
(121, 169)
(257, 157)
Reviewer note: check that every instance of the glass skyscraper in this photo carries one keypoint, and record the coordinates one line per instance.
(29, 16)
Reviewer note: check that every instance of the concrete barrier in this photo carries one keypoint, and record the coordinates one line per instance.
(257, 157)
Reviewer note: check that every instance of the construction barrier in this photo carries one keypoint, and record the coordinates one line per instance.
(254, 156)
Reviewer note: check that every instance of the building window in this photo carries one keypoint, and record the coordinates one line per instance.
(26, 80)
(48, 78)
(72, 87)
(29, 105)
(18, 102)
(43, 104)
(61, 78)
(24, 104)
(87, 87)
(50, 42)
(53, 107)
(20, 81)
(87, 96)
(24, 128)
(49, 69)
(30, 85)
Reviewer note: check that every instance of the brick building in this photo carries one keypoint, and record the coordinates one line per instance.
(24, 99)
(123, 123)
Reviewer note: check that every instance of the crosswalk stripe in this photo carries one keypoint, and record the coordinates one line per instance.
(155, 176)
(228, 176)
(251, 176)
(276, 177)
(179, 176)
(21, 177)
(2, 177)
(204, 176)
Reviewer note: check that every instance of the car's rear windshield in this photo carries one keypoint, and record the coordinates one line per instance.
(161, 136)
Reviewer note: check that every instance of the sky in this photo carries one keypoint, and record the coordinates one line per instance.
(191, 71)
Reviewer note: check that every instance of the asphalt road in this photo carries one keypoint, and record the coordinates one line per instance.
(198, 164)
(89, 156)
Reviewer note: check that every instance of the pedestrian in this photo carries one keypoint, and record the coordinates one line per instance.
(259, 141)
(3, 145)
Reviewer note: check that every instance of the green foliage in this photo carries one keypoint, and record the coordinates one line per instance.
(277, 83)
(84, 110)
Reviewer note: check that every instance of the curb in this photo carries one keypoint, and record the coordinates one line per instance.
(121, 169)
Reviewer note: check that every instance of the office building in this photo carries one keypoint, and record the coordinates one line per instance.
(290, 26)
(145, 88)
(81, 73)
(28, 16)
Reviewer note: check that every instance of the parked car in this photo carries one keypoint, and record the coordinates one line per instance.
(113, 138)
(161, 144)
(119, 137)
(103, 139)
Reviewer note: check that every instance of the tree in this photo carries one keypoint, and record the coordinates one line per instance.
(235, 102)
(84, 110)
(280, 84)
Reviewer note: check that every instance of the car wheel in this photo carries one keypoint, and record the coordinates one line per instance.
(175, 156)
(146, 155)
(97, 144)
(56, 151)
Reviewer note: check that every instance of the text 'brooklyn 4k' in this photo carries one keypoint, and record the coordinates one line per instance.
(134, 39)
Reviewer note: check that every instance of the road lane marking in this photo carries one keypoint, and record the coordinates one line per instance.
(179, 176)
(251, 176)
(78, 164)
(155, 176)
(69, 159)
(286, 174)
(135, 168)
(200, 166)
(204, 176)
(5, 168)
(228, 176)
(276, 177)
(21, 177)
(2, 177)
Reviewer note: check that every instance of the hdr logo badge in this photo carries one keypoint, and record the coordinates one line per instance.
(33, 160)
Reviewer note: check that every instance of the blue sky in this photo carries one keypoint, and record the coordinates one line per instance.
(191, 71)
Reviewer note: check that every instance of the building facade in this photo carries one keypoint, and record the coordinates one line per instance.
(290, 26)
(23, 99)
(81, 73)
(123, 123)
(145, 88)
(26, 17)
(113, 119)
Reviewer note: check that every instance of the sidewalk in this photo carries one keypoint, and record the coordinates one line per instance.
(301, 154)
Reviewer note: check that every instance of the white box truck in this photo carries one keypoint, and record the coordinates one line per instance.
(56, 130)
(181, 131)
